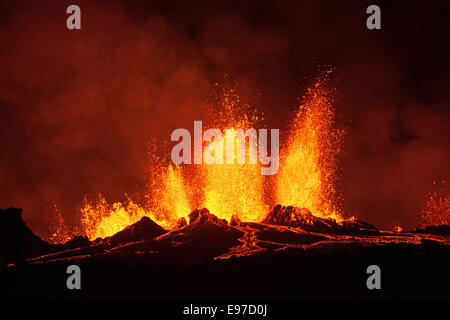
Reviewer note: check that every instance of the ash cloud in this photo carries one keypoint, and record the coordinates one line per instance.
(78, 108)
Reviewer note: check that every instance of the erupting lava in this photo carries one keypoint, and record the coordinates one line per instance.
(437, 208)
(306, 178)
(308, 169)
(234, 188)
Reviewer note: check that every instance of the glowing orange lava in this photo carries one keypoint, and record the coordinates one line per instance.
(101, 219)
(305, 179)
(234, 189)
(308, 168)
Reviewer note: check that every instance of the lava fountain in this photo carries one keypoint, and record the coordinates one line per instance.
(234, 188)
(308, 168)
(306, 177)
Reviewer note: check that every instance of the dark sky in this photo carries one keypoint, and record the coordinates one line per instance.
(78, 109)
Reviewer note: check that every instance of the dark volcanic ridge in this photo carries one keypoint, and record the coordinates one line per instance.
(17, 241)
(206, 237)
(304, 219)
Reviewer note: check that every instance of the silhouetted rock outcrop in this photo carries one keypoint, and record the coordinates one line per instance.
(205, 237)
(290, 216)
(358, 224)
(204, 217)
(442, 230)
(77, 242)
(235, 221)
(17, 241)
(304, 219)
(144, 229)
(181, 223)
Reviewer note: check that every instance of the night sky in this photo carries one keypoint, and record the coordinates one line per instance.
(78, 109)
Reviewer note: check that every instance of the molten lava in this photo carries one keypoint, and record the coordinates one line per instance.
(102, 220)
(308, 170)
(306, 178)
(234, 189)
